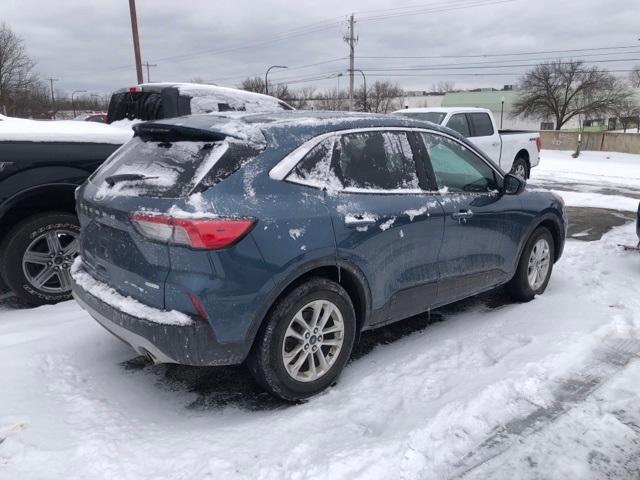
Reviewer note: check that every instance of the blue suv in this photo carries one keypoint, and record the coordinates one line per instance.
(278, 238)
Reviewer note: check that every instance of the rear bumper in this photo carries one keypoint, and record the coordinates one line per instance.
(193, 344)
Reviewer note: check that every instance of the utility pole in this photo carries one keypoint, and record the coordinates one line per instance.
(351, 40)
(53, 100)
(147, 64)
(136, 40)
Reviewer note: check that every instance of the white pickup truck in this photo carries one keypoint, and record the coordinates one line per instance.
(516, 151)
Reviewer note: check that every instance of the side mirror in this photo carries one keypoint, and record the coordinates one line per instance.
(513, 185)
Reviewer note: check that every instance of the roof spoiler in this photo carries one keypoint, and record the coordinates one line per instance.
(159, 132)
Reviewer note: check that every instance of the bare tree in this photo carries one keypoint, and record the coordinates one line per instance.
(443, 87)
(332, 99)
(563, 90)
(17, 76)
(627, 113)
(301, 98)
(256, 84)
(634, 77)
(384, 97)
(253, 84)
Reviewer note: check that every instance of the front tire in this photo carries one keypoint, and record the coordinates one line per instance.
(534, 268)
(36, 256)
(305, 342)
(520, 168)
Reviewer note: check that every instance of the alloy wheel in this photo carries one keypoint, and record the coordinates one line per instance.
(539, 261)
(313, 340)
(520, 171)
(47, 261)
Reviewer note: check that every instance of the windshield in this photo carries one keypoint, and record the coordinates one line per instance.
(433, 117)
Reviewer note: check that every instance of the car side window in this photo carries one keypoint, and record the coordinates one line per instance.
(456, 168)
(458, 122)
(375, 160)
(315, 168)
(482, 126)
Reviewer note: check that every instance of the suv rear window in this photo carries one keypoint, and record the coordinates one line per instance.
(135, 105)
(170, 169)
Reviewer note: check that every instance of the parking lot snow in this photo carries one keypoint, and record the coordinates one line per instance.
(492, 389)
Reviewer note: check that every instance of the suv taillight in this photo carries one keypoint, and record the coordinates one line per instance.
(197, 233)
(538, 143)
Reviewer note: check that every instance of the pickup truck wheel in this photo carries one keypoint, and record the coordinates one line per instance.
(534, 268)
(36, 257)
(305, 342)
(520, 168)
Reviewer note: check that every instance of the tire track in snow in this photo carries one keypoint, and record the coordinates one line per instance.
(609, 359)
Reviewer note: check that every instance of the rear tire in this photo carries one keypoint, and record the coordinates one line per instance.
(520, 168)
(537, 257)
(25, 257)
(290, 341)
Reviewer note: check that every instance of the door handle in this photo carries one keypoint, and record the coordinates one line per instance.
(462, 215)
(495, 144)
(359, 220)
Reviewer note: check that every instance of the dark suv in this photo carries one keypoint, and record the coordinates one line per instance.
(279, 238)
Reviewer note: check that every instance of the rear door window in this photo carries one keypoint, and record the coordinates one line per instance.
(375, 161)
(458, 122)
(481, 123)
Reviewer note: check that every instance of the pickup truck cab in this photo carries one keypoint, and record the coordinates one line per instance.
(517, 151)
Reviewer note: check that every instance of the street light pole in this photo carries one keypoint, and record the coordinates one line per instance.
(73, 105)
(364, 79)
(266, 77)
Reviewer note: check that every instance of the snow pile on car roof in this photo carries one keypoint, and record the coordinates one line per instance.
(211, 98)
(62, 131)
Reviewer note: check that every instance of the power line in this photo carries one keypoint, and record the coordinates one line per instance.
(444, 8)
(482, 55)
(468, 67)
(299, 67)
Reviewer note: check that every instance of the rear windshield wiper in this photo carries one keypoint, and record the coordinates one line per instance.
(126, 177)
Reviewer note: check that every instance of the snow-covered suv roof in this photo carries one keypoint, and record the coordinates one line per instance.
(203, 94)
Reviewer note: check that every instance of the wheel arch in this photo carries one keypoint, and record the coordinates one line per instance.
(551, 223)
(43, 198)
(343, 273)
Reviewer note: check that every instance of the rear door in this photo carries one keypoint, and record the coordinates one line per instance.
(385, 223)
(482, 226)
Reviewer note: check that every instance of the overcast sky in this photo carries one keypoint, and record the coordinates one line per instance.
(87, 44)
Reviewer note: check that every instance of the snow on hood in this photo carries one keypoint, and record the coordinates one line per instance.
(62, 131)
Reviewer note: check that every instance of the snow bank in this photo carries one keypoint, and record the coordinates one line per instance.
(591, 168)
(125, 304)
(62, 131)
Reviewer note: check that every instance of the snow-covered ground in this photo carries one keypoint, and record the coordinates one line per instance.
(594, 179)
(547, 389)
